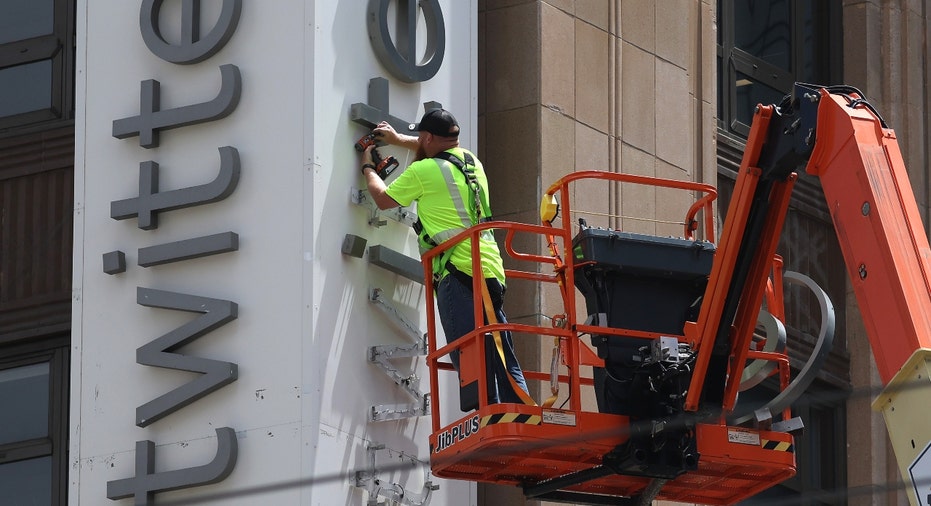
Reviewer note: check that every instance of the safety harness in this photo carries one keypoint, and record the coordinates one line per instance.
(477, 211)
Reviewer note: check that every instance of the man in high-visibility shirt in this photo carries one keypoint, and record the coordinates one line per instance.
(451, 190)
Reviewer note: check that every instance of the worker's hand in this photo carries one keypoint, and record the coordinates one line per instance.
(386, 133)
(367, 155)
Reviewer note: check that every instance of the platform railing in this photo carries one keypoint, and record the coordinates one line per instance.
(558, 239)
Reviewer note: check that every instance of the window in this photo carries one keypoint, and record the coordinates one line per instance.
(765, 46)
(821, 476)
(36, 61)
(34, 423)
(36, 153)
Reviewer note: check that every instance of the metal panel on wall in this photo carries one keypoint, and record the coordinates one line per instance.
(221, 337)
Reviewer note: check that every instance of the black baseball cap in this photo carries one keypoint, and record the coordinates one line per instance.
(438, 122)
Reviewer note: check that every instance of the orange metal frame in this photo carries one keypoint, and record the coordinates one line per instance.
(878, 227)
(888, 258)
(719, 281)
(523, 444)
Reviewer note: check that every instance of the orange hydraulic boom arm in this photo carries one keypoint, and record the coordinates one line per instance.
(888, 258)
(835, 134)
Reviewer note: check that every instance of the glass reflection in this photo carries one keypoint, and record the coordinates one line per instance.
(26, 482)
(24, 403)
(26, 88)
(24, 19)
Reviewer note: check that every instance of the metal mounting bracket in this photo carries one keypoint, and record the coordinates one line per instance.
(382, 355)
(382, 492)
(406, 326)
(402, 215)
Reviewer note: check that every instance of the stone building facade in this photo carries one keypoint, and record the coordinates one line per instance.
(654, 88)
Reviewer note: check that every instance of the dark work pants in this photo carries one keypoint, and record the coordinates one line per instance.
(454, 304)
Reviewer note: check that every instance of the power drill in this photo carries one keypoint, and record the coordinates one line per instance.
(383, 166)
(366, 141)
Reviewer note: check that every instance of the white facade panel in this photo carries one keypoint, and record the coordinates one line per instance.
(299, 404)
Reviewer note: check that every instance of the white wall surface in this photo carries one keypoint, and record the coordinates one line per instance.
(300, 404)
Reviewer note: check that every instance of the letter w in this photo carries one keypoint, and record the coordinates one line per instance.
(159, 353)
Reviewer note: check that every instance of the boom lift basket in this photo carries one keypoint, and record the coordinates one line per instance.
(639, 291)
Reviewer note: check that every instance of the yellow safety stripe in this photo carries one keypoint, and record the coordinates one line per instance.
(779, 446)
(511, 418)
(446, 168)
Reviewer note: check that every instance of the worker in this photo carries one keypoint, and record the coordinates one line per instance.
(447, 203)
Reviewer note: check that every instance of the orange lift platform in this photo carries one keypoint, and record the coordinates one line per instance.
(657, 353)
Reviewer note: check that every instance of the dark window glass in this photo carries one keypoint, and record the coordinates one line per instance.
(751, 92)
(24, 396)
(36, 63)
(34, 423)
(26, 88)
(766, 46)
(762, 29)
(808, 70)
(25, 19)
(26, 482)
(820, 465)
(817, 51)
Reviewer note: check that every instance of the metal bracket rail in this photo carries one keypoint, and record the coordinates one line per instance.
(405, 325)
(395, 493)
(401, 215)
(382, 355)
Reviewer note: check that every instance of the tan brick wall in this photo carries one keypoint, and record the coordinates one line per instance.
(568, 85)
(630, 86)
(886, 56)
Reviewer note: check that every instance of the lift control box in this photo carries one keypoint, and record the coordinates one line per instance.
(641, 283)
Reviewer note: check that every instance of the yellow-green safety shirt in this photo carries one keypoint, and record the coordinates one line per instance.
(443, 200)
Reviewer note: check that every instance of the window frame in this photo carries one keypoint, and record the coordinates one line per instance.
(814, 483)
(59, 47)
(56, 352)
(732, 59)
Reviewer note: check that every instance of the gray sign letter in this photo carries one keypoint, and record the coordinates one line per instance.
(151, 119)
(151, 201)
(192, 49)
(399, 58)
(187, 249)
(147, 482)
(159, 353)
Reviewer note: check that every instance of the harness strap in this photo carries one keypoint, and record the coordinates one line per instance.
(478, 204)
(445, 235)
(493, 319)
(479, 198)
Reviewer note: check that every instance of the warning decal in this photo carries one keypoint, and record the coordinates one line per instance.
(559, 417)
(743, 437)
(779, 446)
(920, 475)
(510, 418)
